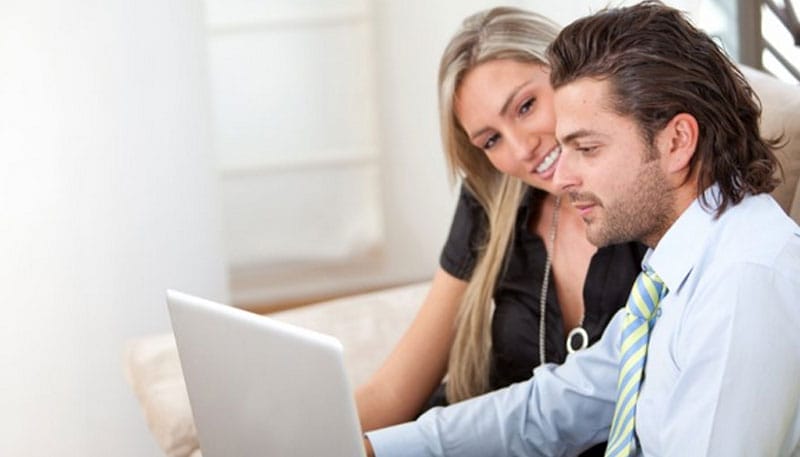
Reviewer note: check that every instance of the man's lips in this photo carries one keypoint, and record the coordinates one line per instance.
(584, 209)
(583, 204)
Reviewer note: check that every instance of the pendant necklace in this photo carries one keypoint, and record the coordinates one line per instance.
(578, 333)
(577, 338)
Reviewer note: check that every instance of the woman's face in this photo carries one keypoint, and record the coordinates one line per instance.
(506, 109)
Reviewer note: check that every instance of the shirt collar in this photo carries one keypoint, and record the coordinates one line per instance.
(681, 246)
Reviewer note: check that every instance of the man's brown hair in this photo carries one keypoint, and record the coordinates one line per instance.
(659, 65)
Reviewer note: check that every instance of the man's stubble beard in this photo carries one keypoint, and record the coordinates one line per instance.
(641, 213)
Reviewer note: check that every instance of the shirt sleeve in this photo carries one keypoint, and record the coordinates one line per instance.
(738, 361)
(561, 411)
(467, 232)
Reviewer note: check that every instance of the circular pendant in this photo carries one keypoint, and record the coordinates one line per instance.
(577, 335)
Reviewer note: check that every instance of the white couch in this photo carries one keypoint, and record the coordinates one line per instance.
(368, 325)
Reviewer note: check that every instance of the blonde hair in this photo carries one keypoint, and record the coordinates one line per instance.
(498, 33)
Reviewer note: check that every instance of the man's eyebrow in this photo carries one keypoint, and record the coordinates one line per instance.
(572, 137)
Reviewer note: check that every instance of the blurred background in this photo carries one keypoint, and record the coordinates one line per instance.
(262, 153)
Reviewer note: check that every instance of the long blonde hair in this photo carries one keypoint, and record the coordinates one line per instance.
(498, 33)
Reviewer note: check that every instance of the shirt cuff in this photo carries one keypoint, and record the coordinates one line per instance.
(404, 440)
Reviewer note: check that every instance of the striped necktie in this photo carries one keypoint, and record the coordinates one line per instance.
(647, 292)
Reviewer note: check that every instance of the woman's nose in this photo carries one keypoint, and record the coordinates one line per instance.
(523, 146)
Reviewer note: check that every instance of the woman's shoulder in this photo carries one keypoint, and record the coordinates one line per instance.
(467, 197)
(467, 230)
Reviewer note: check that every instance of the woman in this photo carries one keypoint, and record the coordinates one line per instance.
(517, 275)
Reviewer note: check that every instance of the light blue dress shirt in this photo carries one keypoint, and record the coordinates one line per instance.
(722, 376)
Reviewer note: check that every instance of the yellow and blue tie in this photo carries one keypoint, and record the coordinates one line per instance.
(647, 292)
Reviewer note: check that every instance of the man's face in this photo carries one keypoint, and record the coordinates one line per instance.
(613, 178)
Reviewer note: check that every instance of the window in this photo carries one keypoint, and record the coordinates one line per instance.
(764, 34)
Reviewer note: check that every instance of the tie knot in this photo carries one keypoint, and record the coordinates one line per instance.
(648, 290)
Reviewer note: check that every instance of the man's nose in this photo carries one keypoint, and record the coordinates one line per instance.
(565, 176)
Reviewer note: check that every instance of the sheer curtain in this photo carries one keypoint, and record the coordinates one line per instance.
(295, 131)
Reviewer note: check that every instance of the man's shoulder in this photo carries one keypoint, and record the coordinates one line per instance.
(756, 230)
(752, 248)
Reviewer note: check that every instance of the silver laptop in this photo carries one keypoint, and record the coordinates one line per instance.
(259, 387)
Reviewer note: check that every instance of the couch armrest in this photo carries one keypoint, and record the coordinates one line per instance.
(780, 104)
(368, 326)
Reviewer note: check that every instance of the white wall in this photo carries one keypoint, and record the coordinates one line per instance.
(106, 199)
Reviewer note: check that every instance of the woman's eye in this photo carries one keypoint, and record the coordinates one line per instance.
(490, 142)
(525, 107)
(586, 150)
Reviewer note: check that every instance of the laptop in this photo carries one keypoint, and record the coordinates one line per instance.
(260, 387)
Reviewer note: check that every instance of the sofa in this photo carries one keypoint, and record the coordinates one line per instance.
(369, 324)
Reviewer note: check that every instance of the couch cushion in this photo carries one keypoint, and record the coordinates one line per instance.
(781, 104)
(154, 373)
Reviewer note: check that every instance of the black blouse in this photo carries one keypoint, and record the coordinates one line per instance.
(515, 324)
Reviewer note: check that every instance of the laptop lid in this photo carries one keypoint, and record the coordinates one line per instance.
(260, 387)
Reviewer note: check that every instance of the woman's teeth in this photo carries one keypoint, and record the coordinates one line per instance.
(549, 160)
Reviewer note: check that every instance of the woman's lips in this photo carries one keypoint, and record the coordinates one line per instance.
(547, 165)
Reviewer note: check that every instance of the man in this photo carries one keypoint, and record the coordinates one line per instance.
(660, 144)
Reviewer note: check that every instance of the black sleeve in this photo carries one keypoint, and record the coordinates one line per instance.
(467, 233)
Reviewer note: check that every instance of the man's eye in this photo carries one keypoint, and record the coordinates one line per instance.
(586, 149)
(489, 144)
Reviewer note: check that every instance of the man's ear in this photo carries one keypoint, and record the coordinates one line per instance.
(678, 142)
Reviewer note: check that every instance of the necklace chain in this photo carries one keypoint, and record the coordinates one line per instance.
(546, 281)
(578, 331)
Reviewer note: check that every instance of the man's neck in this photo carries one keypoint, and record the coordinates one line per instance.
(683, 197)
